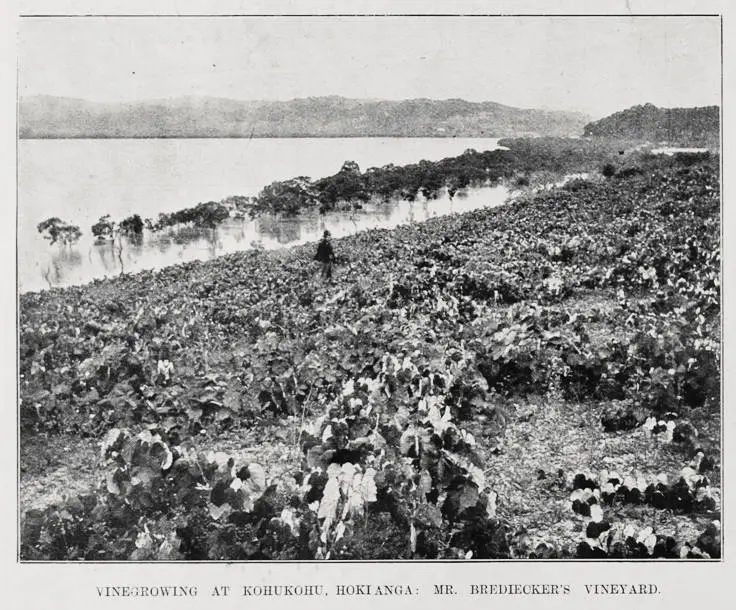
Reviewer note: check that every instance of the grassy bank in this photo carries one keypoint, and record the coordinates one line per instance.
(456, 393)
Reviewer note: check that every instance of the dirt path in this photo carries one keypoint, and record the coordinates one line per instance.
(55, 467)
(547, 442)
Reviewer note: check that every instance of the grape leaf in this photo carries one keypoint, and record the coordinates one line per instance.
(462, 495)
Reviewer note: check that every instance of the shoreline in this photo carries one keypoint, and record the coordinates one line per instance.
(309, 215)
(516, 321)
(513, 192)
(517, 162)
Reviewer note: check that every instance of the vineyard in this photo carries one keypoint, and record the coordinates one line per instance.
(540, 380)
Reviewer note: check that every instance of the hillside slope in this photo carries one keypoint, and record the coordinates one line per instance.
(683, 126)
(53, 117)
(470, 387)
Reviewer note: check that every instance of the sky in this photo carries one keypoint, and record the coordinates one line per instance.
(596, 65)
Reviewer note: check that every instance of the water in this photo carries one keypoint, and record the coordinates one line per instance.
(80, 180)
(671, 150)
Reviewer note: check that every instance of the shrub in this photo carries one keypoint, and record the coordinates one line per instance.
(608, 170)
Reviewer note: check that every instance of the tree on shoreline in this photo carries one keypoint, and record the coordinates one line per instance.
(132, 228)
(107, 230)
(58, 231)
(288, 197)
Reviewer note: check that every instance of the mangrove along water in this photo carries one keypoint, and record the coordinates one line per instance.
(81, 180)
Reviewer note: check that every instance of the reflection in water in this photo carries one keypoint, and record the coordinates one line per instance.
(65, 257)
(162, 242)
(80, 180)
(185, 234)
(66, 266)
(281, 230)
(106, 254)
(671, 150)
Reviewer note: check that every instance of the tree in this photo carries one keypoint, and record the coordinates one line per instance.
(132, 226)
(209, 215)
(107, 230)
(57, 231)
(608, 170)
(204, 215)
(347, 185)
(288, 197)
(104, 229)
(350, 167)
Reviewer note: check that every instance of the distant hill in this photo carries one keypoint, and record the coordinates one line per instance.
(679, 126)
(186, 117)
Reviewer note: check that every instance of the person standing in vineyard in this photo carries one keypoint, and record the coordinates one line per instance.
(325, 255)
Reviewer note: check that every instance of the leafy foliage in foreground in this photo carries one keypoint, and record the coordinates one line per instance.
(690, 492)
(398, 376)
(172, 503)
(161, 503)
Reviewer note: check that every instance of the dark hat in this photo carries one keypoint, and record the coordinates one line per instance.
(327, 233)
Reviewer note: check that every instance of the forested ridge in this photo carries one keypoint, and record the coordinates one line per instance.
(677, 126)
(330, 116)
